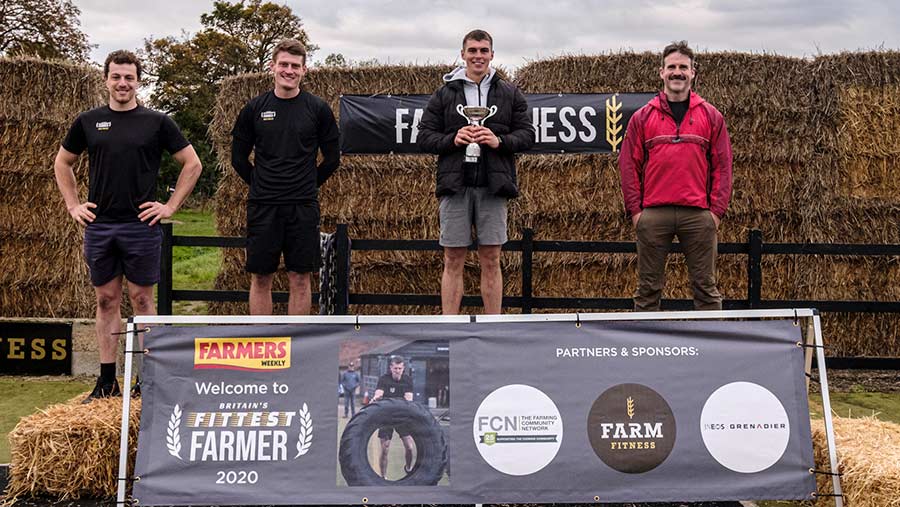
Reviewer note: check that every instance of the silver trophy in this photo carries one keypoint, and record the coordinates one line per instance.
(475, 115)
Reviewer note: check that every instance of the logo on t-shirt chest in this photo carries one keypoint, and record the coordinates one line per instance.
(393, 390)
(103, 125)
(267, 115)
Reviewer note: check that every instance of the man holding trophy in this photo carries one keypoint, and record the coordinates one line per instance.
(476, 123)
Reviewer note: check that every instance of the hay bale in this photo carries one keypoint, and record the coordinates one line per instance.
(48, 450)
(869, 456)
(43, 273)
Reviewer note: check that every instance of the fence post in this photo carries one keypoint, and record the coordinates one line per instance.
(754, 269)
(342, 270)
(527, 258)
(164, 289)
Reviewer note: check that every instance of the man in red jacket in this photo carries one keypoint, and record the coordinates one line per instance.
(675, 166)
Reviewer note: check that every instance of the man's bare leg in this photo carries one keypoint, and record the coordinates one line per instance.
(300, 298)
(109, 318)
(261, 294)
(383, 459)
(491, 278)
(452, 279)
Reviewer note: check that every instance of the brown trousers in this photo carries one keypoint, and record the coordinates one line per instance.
(696, 231)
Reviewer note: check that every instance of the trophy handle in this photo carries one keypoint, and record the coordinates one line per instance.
(459, 109)
(491, 112)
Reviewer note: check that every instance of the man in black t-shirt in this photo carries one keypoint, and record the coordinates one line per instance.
(285, 128)
(124, 141)
(394, 385)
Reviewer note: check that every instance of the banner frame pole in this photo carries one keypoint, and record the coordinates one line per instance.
(481, 319)
(826, 409)
(130, 342)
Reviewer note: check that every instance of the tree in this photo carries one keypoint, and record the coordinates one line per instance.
(43, 28)
(185, 72)
(335, 60)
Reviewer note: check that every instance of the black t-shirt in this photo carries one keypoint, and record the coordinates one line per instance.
(124, 152)
(679, 109)
(286, 135)
(394, 388)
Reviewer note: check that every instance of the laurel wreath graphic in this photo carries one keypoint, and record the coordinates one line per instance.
(304, 440)
(613, 128)
(630, 409)
(173, 437)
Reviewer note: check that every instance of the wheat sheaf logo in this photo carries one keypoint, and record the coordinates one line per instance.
(173, 438)
(304, 439)
(613, 122)
(629, 407)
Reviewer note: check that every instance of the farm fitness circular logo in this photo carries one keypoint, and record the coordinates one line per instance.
(631, 428)
(517, 429)
(744, 427)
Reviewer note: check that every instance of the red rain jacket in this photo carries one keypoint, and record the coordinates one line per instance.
(662, 164)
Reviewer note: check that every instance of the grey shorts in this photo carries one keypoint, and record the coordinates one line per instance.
(473, 206)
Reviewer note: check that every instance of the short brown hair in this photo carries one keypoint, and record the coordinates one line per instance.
(291, 46)
(478, 35)
(678, 47)
(122, 57)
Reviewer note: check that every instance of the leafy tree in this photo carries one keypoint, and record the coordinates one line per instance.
(185, 72)
(335, 60)
(43, 28)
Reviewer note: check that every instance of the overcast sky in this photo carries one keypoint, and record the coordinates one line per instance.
(523, 30)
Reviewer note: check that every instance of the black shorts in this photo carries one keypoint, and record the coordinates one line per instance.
(114, 248)
(292, 229)
(388, 432)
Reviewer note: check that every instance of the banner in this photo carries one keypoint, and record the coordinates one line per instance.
(534, 412)
(35, 348)
(563, 123)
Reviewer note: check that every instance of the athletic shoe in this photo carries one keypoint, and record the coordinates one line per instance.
(136, 389)
(103, 390)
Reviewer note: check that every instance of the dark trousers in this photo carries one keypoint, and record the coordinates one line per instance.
(349, 402)
(696, 231)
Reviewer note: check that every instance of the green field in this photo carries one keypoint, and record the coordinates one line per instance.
(194, 267)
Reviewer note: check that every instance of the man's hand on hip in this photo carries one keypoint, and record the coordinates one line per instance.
(716, 219)
(82, 213)
(635, 218)
(155, 211)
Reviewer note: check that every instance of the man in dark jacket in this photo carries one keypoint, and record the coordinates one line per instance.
(675, 166)
(475, 193)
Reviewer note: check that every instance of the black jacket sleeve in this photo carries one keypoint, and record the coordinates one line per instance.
(432, 138)
(240, 158)
(521, 131)
(329, 144)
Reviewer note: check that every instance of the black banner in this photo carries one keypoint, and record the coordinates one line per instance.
(563, 123)
(35, 348)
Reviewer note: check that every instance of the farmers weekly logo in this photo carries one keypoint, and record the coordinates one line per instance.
(239, 436)
(246, 354)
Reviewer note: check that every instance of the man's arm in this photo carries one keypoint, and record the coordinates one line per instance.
(521, 131)
(63, 168)
(631, 161)
(240, 158)
(432, 138)
(187, 178)
(329, 144)
(720, 168)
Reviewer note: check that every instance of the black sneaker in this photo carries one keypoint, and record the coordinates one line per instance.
(136, 389)
(102, 390)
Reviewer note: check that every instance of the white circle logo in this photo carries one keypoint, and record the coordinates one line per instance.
(517, 429)
(744, 427)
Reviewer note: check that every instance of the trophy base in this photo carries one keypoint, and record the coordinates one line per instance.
(471, 158)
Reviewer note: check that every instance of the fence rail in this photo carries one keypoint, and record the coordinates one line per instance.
(755, 249)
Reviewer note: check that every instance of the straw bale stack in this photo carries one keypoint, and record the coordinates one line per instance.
(869, 455)
(44, 273)
(70, 450)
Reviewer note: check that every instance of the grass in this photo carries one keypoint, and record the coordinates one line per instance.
(194, 268)
(21, 396)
